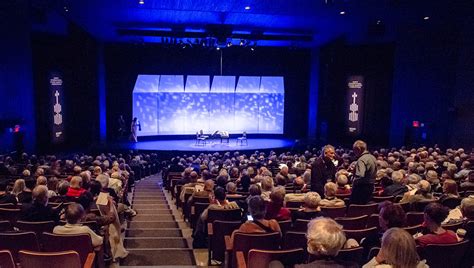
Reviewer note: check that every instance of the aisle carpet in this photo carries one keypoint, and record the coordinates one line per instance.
(153, 237)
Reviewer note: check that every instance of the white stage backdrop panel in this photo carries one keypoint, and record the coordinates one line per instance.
(177, 104)
(222, 103)
(145, 103)
(197, 103)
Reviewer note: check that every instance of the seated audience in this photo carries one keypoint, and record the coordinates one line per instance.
(267, 187)
(231, 190)
(52, 187)
(22, 194)
(74, 214)
(325, 239)
(330, 199)
(220, 202)
(432, 178)
(422, 194)
(390, 215)
(5, 196)
(275, 209)
(310, 208)
(342, 186)
(398, 250)
(470, 181)
(397, 187)
(435, 214)
(75, 189)
(39, 210)
(450, 190)
(257, 209)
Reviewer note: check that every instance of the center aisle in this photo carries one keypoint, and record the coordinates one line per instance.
(153, 237)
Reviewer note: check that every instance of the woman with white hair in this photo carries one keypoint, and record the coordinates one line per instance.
(325, 239)
(330, 199)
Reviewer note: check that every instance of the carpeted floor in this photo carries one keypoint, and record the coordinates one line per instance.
(153, 237)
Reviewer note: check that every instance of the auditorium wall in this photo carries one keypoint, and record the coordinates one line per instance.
(433, 83)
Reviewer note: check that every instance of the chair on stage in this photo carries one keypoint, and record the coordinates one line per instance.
(242, 139)
(224, 136)
(201, 138)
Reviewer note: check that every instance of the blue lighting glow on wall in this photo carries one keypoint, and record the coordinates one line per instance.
(171, 105)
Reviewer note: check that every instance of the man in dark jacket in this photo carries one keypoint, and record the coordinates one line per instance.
(39, 210)
(323, 169)
(364, 176)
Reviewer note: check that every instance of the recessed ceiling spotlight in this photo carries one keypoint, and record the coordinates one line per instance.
(379, 21)
(247, 8)
(252, 48)
(141, 2)
(229, 44)
(342, 12)
(218, 48)
(66, 9)
(426, 18)
(241, 42)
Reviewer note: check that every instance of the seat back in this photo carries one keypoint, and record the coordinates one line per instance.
(451, 202)
(415, 218)
(9, 214)
(413, 229)
(216, 242)
(406, 206)
(453, 226)
(262, 258)
(37, 227)
(60, 259)
(352, 254)
(294, 204)
(245, 242)
(373, 221)
(285, 226)
(420, 206)
(9, 205)
(445, 255)
(5, 226)
(334, 212)
(353, 223)
(6, 259)
(380, 199)
(301, 225)
(81, 243)
(293, 240)
(359, 234)
(224, 214)
(360, 210)
(15, 242)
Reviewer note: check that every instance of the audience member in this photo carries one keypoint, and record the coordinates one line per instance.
(364, 176)
(330, 199)
(275, 209)
(398, 250)
(435, 214)
(39, 210)
(310, 209)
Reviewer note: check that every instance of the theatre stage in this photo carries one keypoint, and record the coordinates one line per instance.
(212, 145)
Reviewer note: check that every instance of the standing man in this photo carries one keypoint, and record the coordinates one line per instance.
(323, 169)
(364, 175)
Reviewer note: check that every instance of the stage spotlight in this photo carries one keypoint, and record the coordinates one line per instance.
(247, 8)
(218, 48)
(342, 12)
(141, 2)
(426, 18)
(241, 42)
(229, 44)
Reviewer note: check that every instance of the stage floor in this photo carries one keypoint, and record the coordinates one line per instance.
(210, 146)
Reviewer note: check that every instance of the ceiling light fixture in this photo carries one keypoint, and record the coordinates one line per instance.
(66, 9)
(342, 12)
(141, 2)
(426, 18)
(241, 42)
(229, 44)
(247, 8)
(218, 48)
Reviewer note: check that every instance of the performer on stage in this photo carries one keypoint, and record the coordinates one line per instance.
(122, 128)
(135, 127)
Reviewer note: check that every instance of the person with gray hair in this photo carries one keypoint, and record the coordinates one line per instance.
(324, 168)
(397, 187)
(39, 210)
(364, 175)
(310, 209)
(423, 193)
(257, 209)
(325, 240)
